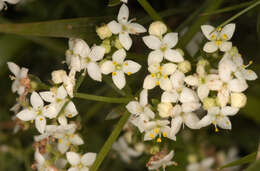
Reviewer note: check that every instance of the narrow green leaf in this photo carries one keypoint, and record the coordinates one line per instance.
(247, 159)
(254, 167)
(113, 3)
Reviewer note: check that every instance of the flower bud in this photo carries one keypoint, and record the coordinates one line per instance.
(208, 103)
(238, 100)
(164, 109)
(57, 76)
(103, 32)
(192, 158)
(106, 44)
(184, 66)
(139, 147)
(180, 51)
(203, 62)
(128, 136)
(117, 44)
(157, 28)
(154, 150)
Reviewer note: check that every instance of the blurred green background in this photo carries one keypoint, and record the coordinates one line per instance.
(42, 55)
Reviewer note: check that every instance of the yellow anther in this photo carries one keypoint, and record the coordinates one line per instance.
(41, 119)
(227, 122)
(164, 134)
(153, 75)
(126, 64)
(156, 130)
(129, 73)
(114, 62)
(219, 29)
(216, 129)
(12, 77)
(213, 37)
(214, 123)
(218, 42)
(113, 73)
(68, 144)
(250, 62)
(165, 76)
(224, 37)
(151, 135)
(60, 140)
(157, 82)
(72, 135)
(159, 68)
(70, 115)
(159, 140)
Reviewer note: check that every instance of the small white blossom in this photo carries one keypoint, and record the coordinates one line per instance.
(119, 67)
(238, 100)
(157, 28)
(218, 117)
(20, 74)
(163, 48)
(204, 165)
(124, 27)
(218, 38)
(80, 163)
(3, 4)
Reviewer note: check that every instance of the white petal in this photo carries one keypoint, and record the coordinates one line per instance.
(210, 47)
(249, 74)
(155, 56)
(15, 69)
(176, 125)
(23, 72)
(170, 39)
(168, 68)
(73, 158)
(169, 96)
(94, 71)
(207, 162)
(61, 93)
(137, 28)
(125, 40)
(224, 123)
(190, 106)
(114, 27)
(134, 107)
(165, 84)
(38, 157)
(119, 79)
(131, 67)
(40, 123)
(213, 82)
(205, 121)
(223, 97)
(107, 67)
(119, 56)
(228, 30)
(237, 85)
(50, 111)
(123, 14)
(62, 120)
(88, 159)
(81, 48)
(63, 145)
(97, 53)
(71, 110)
(148, 112)
(192, 80)
(36, 100)
(12, 1)
(75, 139)
(207, 30)
(26, 115)
(84, 169)
(73, 169)
(177, 79)
(225, 69)
(213, 111)
(21, 90)
(229, 111)
(188, 95)
(144, 97)
(192, 120)
(203, 91)
(48, 96)
(173, 56)
(149, 82)
(225, 46)
(152, 42)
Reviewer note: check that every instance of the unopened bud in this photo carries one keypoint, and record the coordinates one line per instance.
(208, 103)
(139, 147)
(57, 76)
(238, 100)
(103, 32)
(157, 28)
(184, 66)
(117, 44)
(164, 109)
(106, 45)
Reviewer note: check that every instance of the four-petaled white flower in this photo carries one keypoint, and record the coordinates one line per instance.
(20, 74)
(125, 152)
(80, 163)
(37, 112)
(204, 165)
(66, 137)
(140, 110)
(219, 37)
(3, 4)
(163, 48)
(163, 162)
(159, 76)
(119, 67)
(218, 117)
(124, 27)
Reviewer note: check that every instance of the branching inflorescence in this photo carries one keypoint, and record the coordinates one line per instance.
(210, 95)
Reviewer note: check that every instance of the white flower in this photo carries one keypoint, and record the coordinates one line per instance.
(204, 165)
(124, 1)
(219, 117)
(37, 112)
(20, 74)
(41, 163)
(157, 28)
(219, 38)
(125, 152)
(159, 76)
(163, 162)
(66, 137)
(140, 110)
(50, 130)
(4, 6)
(124, 27)
(238, 100)
(157, 128)
(164, 109)
(118, 67)
(163, 48)
(80, 163)
(89, 61)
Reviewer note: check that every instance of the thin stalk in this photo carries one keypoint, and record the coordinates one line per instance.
(79, 81)
(111, 139)
(240, 13)
(101, 98)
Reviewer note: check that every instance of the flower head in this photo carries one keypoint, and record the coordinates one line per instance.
(80, 163)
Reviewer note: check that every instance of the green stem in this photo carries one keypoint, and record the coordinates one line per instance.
(79, 81)
(111, 139)
(149, 9)
(240, 13)
(101, 98)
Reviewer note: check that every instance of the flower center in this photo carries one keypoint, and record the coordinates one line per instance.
(87, 59)
(163, 47)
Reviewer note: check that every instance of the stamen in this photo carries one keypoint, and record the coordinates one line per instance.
(224, 37)
(114, 62)
(159, 140)
(157, 82)
(157, 130)
(113, 73)
(164, 134)
(151, 135)
(153, 75)
(129, 73)
(218, 42)
(213, 37)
